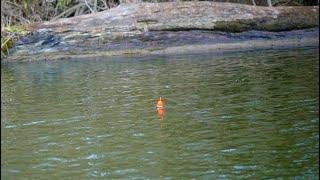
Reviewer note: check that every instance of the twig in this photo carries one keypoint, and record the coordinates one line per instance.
(68, 11)
(88, 6)
(102, 8)
(253, 2)
(106, 4)
(95, 5)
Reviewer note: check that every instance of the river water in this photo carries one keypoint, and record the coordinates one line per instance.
(233, 115)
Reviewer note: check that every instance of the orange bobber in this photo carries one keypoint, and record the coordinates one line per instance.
(160, 112)
(160, 108)
(160, 103)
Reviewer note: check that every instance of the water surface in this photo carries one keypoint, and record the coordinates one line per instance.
(236, 115)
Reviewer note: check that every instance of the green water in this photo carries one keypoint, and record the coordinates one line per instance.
(236, 115)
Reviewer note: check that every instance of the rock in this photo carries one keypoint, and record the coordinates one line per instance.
(145, 27)
(173, 16)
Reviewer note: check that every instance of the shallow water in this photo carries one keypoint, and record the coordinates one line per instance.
(245, 115)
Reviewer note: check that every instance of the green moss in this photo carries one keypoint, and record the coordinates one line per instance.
(284, 22)
(234, 26)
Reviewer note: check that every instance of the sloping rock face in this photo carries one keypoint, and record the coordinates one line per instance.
(188, 16)
(149, 27)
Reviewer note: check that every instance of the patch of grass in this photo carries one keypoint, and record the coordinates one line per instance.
(9, 35)
(19, 29)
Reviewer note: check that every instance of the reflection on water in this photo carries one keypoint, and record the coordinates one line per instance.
(248, 114)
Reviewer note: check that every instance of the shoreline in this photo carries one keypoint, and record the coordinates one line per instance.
(169, 28)
(247, 45)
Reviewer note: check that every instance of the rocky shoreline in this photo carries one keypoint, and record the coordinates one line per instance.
(170, 28)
